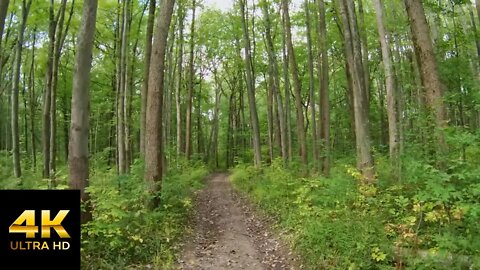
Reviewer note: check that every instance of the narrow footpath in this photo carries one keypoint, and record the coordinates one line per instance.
(228, 234)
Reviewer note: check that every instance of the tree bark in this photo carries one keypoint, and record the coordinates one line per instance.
(3, 15)
(15, 89)
(286, 84)
(33, 103)
(273, 70)
(154, 149)
(79, 128)
(188, 129)
(53, 91)
(47, 93)
(296, 85)
(425, 56)
(393, 133)
(311, 86)
(354, 60)
(251, 89)
(324, 93)
(178, 100)
(148, 53)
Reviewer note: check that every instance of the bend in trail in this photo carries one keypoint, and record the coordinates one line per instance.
(229, 235)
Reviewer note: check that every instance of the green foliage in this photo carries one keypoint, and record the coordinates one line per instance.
(124, 233)
(340, 223)
(320, 217)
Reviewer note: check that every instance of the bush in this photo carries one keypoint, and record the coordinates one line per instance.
(124, 233)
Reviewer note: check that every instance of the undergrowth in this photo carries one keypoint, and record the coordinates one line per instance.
(427, 221)
(124, 234)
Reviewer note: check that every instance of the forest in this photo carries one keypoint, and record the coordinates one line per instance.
(250, 134)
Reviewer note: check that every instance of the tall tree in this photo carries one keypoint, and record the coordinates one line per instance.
(324, 81)
(80, 120)
(296, 84)
(354, 62)
(47, 94)
(15, 88)
(273, 70)
(311, 85)
(191, 85)
(153, 136)
(251, 88)
(393, 133)
(148, 53)
(60, 35)
(178, 100)
(425, 56)
(122, 137)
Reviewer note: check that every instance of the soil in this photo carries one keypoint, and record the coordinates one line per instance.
(229, 234)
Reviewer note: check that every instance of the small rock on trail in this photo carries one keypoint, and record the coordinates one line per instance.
(228, 234)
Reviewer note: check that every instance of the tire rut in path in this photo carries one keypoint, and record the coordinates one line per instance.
(229, 235)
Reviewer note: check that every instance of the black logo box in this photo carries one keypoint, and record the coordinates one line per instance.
(13, 203)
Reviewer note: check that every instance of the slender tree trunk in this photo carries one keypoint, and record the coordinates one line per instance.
(324, 98)
(122, 87)
(154, 150)
(178, 92)
(354, 59)
(15, 89)
(364, 46)
(47, 93)
(269, 87)
(428, 68)
(251, 89)
(296, 85)
(3, 15)
(274, 73)
(126, 85)
(393, 133)
(311, 87)
(79, 128)
(33, 103)
(286, 82)
(53, 91)
(148, 53)
(188, 129)
(477, 40)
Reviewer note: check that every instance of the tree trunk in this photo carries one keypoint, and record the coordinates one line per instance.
(274, 73)
(53, 91)
(47, 93)
(324, 98)
(153, 130)
(286, 82)
(33, 103)
(296, 85)
(178, 92)
(354, 59)
(122, 88)
(364, 45)
(3, 15)
(251, 89)
(15, 89)
(428, 69)
(148, 53)
(311, 87)
(188, 129)
(393, 134)
(79, 128)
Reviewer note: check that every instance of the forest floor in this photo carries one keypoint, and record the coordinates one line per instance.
(230, 234)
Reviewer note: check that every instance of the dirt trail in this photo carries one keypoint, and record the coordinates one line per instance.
(229, 235)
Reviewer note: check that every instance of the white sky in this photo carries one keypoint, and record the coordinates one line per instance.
(227, 4)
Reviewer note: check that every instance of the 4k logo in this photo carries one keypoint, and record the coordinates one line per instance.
(40, 229)
(29, 229)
